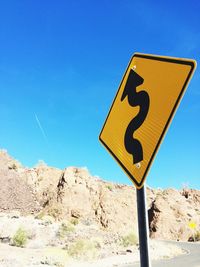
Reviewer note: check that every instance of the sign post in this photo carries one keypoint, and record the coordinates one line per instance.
(143, 108)
(143, 227)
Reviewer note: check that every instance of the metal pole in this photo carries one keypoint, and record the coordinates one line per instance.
(143, 227)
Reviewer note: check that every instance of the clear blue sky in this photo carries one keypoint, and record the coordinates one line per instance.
(60, 66)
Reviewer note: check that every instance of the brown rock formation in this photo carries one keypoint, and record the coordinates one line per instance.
(75, 193)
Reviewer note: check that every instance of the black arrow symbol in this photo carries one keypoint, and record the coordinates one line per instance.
(132, 145)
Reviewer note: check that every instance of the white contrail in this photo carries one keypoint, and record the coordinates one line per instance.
(41, 128)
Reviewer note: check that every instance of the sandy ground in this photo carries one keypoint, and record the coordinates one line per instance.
(158, 250)
(23, 257)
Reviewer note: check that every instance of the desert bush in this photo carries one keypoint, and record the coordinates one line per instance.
(48, 219)
(65, 229)
(197, 236)
(129, 240)
(109, 187)
(83, 249)
(54, 212)
(20, 238)
(40, 215)
(74, 221)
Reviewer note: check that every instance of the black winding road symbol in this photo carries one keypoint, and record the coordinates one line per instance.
(132, 145)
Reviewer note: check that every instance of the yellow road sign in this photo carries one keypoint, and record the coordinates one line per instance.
(192, 225)
(144, 105)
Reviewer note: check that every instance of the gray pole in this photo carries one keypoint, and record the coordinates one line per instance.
(143, 227)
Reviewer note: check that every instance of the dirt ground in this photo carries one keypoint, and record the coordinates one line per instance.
(24, 257)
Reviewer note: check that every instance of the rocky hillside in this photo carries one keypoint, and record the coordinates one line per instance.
(73, 193)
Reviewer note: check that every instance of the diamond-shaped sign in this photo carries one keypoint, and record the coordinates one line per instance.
(142, 110)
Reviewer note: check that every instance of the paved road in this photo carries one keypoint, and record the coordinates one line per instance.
(191, 259)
